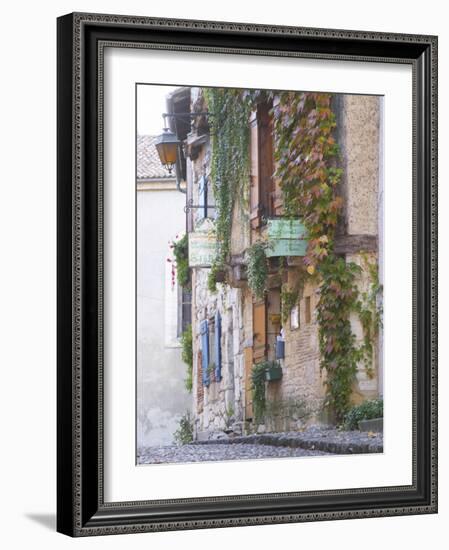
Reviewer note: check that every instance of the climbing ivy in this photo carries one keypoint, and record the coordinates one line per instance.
(258, 389)
(306, 155)
(339, 351)
(369, 309)
(257, 268)
(187, 356)
(230, 110)
(212, 277)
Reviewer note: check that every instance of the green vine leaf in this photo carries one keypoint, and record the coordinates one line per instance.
(230, 110)
(257, 268)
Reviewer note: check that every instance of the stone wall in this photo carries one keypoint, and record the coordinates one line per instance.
(298, 396)
(358, 137)
(222, 402)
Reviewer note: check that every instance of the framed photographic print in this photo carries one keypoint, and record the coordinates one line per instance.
(246, 274)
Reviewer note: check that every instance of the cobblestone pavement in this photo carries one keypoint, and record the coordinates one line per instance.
(210, 452)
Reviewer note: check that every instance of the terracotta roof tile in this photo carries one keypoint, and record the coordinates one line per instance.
(148, 163)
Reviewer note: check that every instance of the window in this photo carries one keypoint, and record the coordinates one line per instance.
(184, 309)
(308, 311)
(210, 331)
(294, 317)
(262, 187)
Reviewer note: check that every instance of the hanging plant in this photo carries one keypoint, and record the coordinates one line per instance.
(187, 356)
(181, 253)
(258, 379)
(257, 268)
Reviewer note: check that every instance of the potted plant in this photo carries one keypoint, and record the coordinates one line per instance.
(273, 371)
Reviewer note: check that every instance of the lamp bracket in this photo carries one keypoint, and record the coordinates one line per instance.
(191, 206)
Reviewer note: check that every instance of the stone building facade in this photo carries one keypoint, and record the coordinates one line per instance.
(232, 330)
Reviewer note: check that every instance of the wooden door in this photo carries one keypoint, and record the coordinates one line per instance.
(259, 331)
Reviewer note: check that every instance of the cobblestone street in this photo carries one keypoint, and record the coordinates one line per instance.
(204, 453)
(314, 441)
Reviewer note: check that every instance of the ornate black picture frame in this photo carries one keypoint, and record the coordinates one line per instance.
(81, 510)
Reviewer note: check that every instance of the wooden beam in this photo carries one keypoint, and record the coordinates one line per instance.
(351, 244)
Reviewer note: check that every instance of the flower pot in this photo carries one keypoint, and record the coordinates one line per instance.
(375, 425)
(273, 373)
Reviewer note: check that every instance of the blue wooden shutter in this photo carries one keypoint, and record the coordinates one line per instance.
(204, 331)
(217, 346)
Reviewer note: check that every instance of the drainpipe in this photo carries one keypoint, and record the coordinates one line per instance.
(178, 171)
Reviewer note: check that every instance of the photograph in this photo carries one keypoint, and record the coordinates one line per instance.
(259, 274)
(247, 274)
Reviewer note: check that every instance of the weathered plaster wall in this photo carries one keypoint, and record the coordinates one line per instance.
(360, 141)
(358, 137)
(161, 395)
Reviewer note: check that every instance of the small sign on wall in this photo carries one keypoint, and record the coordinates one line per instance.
(202, 245)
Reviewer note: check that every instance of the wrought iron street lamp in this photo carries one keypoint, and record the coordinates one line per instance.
(167, 145)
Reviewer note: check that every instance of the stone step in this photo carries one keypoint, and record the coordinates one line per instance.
(329, 441)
